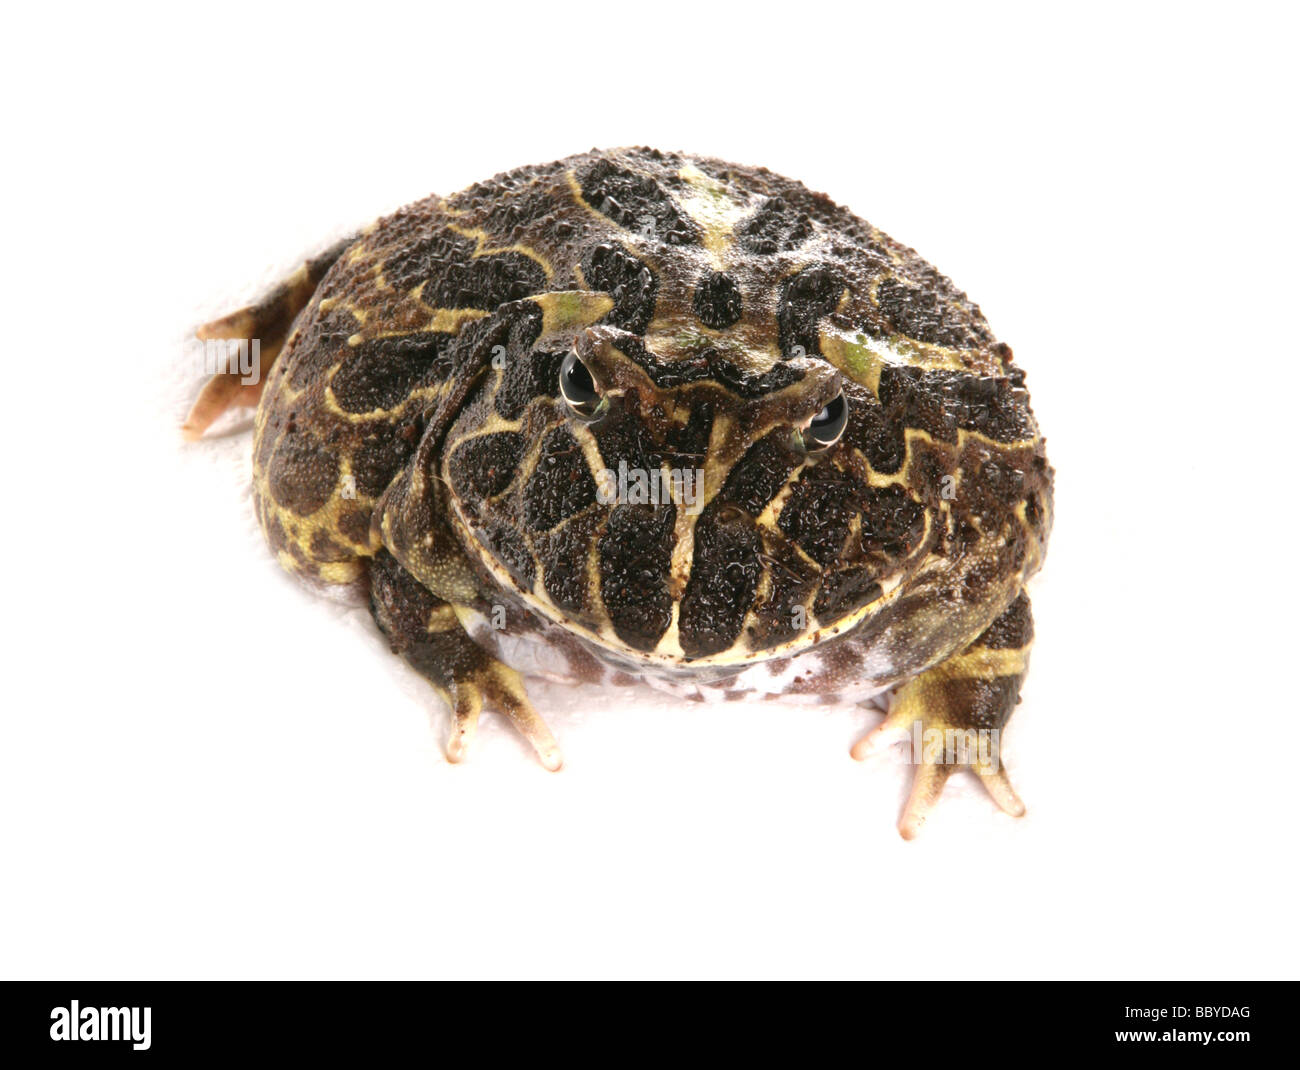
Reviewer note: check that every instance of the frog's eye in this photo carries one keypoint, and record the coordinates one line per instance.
(578, 388)
(828, 425)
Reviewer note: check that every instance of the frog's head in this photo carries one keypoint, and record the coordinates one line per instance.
(674, 501)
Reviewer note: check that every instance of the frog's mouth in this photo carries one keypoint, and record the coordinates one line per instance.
(668, 654)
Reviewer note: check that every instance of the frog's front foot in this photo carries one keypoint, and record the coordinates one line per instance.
(953, 715)
(427, 632)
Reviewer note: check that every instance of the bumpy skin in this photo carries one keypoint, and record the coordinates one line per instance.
(411, 439)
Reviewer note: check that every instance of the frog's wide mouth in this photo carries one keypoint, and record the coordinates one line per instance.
(668, 653)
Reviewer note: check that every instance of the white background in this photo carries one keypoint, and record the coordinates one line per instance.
(208, 771)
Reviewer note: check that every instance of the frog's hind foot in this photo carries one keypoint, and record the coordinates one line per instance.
(953, 715)
(267, 323)
(427, 632)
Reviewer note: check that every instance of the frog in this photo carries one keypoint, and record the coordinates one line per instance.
(637, 416)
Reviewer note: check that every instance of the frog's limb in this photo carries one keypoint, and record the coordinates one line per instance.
(422, 580)
(269, 322)
(411, 516)
(954, 714)
(427, 632)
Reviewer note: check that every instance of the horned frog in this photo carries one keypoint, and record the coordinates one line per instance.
(643, 415)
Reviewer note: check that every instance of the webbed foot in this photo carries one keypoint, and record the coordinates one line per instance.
(954, 714)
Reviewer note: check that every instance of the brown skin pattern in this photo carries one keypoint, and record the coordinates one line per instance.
(412, 439)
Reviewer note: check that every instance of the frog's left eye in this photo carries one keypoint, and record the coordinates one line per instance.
(828, 425)
(578, 388)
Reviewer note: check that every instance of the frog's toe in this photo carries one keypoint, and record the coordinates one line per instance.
(466, 703)
(943, 748)
(891, 730)
(503, 689)
(500, 688)
(928, 783)
(998, 785)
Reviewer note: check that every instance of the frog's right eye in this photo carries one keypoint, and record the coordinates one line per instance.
(578, 388)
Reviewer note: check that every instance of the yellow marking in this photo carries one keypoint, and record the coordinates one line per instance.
(482, 248)
(598, 607)
(982, 663)
(445, 320)
(1034, 561)
(751, 346)
(670, 643)
(590, 450)
(565, 310)
(494, 424)
(718, 459)
(714, 211)
(683, 555)
(342, 572)
(576, 190)
(862, 357)
(443, 618)
(450, 320)
(768, 517)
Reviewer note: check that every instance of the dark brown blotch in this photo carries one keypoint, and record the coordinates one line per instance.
(302, 473)
(381, 374)
(323, 548)
(929, 314)
(724, 578)
(637, 203)
(844, 591)
(804, 299)
(560, 485)
(630, 283)
(635, 559)
(564, 553)
(1013, 629)
(776, 227)
(379, 456)
(717, 300)
(354, 524)
(483, 466)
